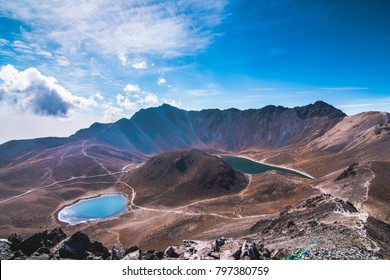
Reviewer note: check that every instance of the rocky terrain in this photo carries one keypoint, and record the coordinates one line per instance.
(162, 160)
(311, 223)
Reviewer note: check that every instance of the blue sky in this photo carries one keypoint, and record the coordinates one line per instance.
(67, 64)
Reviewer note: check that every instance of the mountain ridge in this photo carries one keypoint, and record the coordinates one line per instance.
(165, 128)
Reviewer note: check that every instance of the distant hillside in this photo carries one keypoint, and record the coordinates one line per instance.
(180, 177)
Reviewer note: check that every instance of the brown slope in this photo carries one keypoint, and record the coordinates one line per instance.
(180, 177)
(364, 136)
(360, 138)
(378, 200)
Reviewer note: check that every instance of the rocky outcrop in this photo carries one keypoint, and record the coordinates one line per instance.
(380, 232)
(80, 247)
(349, 172)
(39, 241)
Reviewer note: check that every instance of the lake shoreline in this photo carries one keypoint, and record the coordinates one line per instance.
(267, 164)
(67, 223)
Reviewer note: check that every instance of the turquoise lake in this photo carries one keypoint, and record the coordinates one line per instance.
(91, 209)
(252, 167)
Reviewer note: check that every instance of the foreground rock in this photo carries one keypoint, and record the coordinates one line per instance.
(80, 247)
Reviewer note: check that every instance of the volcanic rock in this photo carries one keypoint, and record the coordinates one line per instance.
(117, 252)
(79, 247)
(170, 253)
(135, 255)
(33, 243)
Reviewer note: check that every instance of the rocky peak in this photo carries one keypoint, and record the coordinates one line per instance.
(319, 109)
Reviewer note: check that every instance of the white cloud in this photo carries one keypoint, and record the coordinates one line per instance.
(151, 100)
(202, 92)
(167, 28)
(32, 91)
(122, 57)
(124, 102)
(113, 114)
(140, 65)
(99, 96)
(174, 103)
(131, 87)
(161, 81)
(134, 100)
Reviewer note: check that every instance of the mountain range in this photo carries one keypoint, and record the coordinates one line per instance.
(183, 192)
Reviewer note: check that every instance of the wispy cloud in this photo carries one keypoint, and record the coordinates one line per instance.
(343, 88)
(131, 100)
(264, 89)
(202, 92)
(355, 105)
(120, 28)
(363, 105)
(140, 65)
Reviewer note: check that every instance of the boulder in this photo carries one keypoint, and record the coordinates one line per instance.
(5, 251)
(117, 252)
(15, 240)
(150, 255)
(76, 247)
(135, 255)
(43, 250)
(219, 243)
(18, 255)
(99, 250)
(132, 249)
(159, 254)
(54, 237)
(249, 250)
(33, 243)
(237, 254)
(171, 253)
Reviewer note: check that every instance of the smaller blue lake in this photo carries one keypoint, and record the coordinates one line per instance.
(252, 167)
(91, 209)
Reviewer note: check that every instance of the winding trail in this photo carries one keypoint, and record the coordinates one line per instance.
(61, 183)
(177, 210)
(84, 151)
(180, 209)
